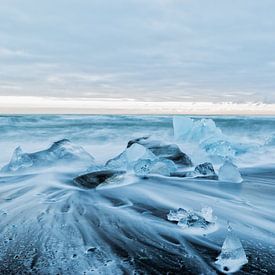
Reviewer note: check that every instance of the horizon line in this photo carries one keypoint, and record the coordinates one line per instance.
(101, 106)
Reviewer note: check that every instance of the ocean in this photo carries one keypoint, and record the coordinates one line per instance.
(52, 225)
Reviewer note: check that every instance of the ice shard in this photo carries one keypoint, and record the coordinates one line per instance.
(232, 256)
(196, 221)
(229, 172)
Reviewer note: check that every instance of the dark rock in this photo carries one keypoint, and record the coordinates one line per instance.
(141, 140)
(205, 170)
(180, 174)
(167, 151)
(92, 180)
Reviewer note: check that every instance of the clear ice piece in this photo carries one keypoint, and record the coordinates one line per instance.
(230, 173)
(129, 157)
(176, 215)
(62, 152)
(232, 256)
(192, 219)
(198, 131)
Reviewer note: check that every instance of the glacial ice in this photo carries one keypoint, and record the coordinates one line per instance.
(207, 136)
(162, 150)
(128, 158)
(219, 149)
(159, 166)
(182, 126)
(18, 160)
(229, 172)
(59, 153)
(176, 215)
(232, 256)
(196, 221)
(199, 131)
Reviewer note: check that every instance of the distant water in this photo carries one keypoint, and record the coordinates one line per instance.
(50, 226)
(34, 132)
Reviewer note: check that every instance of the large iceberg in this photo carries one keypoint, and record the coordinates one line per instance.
(229, 172)
(62, 152)
(232, 256)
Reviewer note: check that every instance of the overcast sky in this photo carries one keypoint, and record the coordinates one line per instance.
(147, 50)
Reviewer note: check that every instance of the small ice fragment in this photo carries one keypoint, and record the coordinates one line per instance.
(193, 220)
(176, 215)
(229, 173)
(207, 214)
(232, 256)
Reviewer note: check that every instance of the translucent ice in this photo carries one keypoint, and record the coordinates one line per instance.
(219, 149)
(229, 172)
(18, 160)
(142, 167)
(128, 158)
(176, 215)
(232, 256)
(60, 152)
(182, 126)
(196, 131)
(158, 166)
(193, 220)
(162, 150)
(198, 222)
(207, 214)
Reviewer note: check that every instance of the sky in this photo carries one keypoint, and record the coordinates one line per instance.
(144, 51)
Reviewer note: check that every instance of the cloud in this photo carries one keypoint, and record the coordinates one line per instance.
(160, 50)
(5, 52)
